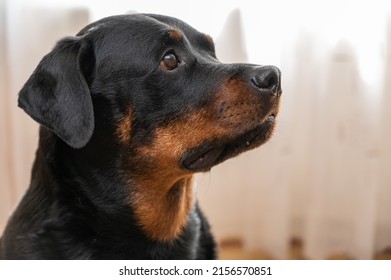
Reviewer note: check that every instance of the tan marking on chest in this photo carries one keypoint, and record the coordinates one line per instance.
(162, 210)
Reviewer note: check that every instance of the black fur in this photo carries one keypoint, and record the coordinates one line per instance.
(77, 204)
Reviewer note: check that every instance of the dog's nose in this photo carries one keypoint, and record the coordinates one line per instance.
(267, 80)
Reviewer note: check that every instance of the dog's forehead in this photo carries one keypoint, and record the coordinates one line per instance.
(188, 30)
(173, 23)
(146, 25)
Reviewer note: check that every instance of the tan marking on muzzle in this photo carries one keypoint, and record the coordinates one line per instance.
(162, 196)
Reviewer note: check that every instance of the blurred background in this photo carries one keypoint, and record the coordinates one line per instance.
(321, 188)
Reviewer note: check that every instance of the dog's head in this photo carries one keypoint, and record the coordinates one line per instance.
(142, 99)
(158, 82)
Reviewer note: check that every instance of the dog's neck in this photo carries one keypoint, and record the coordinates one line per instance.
(160, 205)
(162, 209)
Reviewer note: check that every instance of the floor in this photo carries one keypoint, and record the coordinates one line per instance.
(233, 249)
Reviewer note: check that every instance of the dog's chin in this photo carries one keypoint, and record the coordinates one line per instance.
(204, 157)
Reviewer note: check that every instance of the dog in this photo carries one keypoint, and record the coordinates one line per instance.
(129, 110)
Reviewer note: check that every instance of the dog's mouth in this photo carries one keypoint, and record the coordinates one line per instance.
(208, 155)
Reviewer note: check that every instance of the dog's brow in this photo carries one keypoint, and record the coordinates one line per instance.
(209, 38)
(175, 34)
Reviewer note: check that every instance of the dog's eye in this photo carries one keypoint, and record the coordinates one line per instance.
(169, 62)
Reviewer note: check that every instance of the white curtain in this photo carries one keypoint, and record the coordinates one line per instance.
(324, 177)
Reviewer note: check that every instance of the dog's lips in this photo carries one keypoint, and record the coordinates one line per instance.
(203, 158)
(208, 155)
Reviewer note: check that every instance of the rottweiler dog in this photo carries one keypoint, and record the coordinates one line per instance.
(130, 109)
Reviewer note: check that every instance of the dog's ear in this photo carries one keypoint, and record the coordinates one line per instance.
(57, 94)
